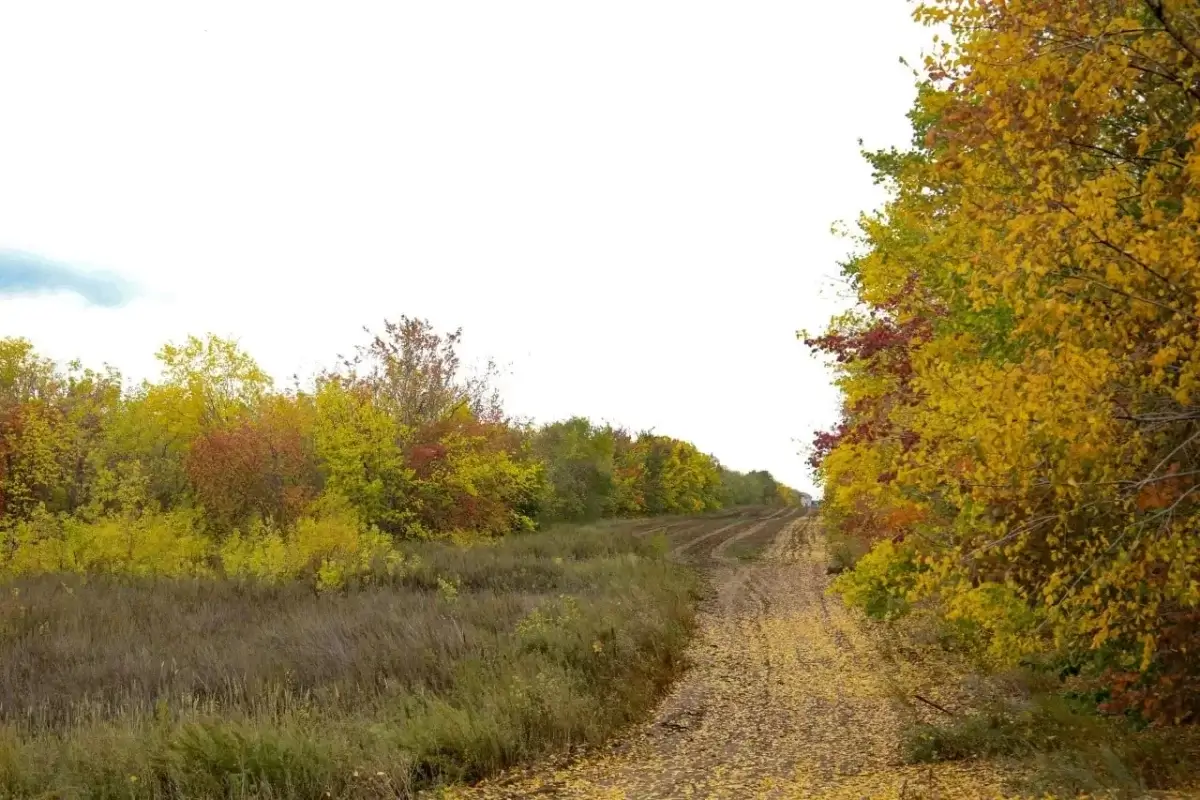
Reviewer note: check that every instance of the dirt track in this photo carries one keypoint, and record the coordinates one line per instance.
(786, 698)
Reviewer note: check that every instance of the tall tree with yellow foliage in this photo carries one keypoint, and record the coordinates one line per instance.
(1028, 441)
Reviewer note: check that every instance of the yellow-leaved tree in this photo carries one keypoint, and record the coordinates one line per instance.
(1022, 379)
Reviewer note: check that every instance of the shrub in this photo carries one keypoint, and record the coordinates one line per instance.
(881, 581)
(332, 547)
(153, 543)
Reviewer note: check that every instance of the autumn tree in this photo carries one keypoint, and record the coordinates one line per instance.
(475, 476)
(757, 487)
(261, 465)
(579, 458)
(51, 420)
(359, 446)
(671, 476)
(1028, 439)
(415, 374)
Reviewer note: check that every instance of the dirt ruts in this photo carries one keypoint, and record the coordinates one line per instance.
(786, 696)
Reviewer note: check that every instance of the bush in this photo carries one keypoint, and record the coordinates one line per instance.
(331, 548)
(163, 543)
(880, 581)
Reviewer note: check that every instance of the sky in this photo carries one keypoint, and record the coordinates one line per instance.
(628, 205)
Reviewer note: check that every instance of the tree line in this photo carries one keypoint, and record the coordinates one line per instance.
(1020, 433)
(213, 469)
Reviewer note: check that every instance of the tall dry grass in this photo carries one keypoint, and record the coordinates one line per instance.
(468, 661)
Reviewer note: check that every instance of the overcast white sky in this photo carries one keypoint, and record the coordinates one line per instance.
(628, 203)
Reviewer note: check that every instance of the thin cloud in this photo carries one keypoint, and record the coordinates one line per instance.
(26, 273)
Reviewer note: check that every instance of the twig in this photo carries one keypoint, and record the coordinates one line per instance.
(934, 705)
(1169, 456)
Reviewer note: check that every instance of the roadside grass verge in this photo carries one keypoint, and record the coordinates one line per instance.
(1038, 724)
(1054, 744)
(469, 661)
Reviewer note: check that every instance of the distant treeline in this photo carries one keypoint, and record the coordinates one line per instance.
(212, 468)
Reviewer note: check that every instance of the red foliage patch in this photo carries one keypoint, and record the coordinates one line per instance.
(254, 467)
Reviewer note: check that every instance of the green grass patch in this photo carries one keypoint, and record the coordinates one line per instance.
(469, 661)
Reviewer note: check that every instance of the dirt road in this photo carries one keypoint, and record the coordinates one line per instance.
(786, 697)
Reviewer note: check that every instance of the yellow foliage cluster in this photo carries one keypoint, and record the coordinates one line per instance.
(152, 544)
(1022, 379)
(329, 548)
(334, 550)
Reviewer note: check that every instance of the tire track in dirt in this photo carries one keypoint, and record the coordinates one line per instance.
(780, 519)
(651, 527)
(786, 698)
(672, 525)
(679, 553)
